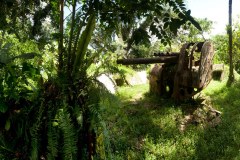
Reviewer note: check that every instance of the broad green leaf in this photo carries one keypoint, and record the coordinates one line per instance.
(83, 43)
(195, 23)
(7, 125)
(55, 124)
(165, 19)
(3, 107)
(165, 26)
(192, 20)
(30, 55)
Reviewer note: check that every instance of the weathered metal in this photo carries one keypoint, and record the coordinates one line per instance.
(163, 59)
(180, 75)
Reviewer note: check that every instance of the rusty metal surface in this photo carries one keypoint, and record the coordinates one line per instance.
(163, 59)
(193, 73)
(183, 75)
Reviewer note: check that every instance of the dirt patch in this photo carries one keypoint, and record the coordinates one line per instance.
(199, 114)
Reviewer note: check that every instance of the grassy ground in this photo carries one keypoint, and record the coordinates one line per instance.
(147, 127)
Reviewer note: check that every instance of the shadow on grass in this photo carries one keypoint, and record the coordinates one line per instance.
(223, 141)
(146, 127)
(139, 124)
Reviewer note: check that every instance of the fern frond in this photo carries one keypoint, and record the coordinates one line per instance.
(34, 131)
(69, 136)
(53, 134)
(99, 99)
(106, 140)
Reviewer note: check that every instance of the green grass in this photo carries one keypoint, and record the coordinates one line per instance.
(147, 127)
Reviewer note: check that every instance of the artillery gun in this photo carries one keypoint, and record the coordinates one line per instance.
(179, 75)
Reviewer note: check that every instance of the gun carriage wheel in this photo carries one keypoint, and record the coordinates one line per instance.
(180, 75)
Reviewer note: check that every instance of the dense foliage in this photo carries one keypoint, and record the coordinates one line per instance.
(221, 47)
(50, 101)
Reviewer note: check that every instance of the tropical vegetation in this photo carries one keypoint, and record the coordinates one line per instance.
(53, 107)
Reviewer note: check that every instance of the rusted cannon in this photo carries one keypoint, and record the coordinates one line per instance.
(164, 58)
(180, 75)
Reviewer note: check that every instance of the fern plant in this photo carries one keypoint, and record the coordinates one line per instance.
(35, 137)
(53, 137)
(100, 99)
(69, 134)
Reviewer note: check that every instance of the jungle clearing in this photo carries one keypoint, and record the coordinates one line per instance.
(143, 126)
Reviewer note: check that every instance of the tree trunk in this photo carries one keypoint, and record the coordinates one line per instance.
(69, 65)
(231, 75)
(60, 42)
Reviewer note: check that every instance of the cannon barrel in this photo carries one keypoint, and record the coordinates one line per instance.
(162, 59)
(188, 75)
